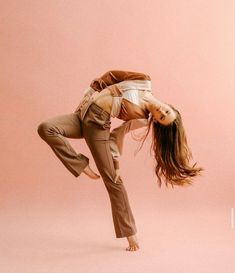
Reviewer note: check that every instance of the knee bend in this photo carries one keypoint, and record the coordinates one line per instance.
(43, 129)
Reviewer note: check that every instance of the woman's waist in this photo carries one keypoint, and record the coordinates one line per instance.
(105, 104)
(99, 110)
(113, 106)
(97, 102)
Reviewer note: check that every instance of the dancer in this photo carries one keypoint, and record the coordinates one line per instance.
(127, 96)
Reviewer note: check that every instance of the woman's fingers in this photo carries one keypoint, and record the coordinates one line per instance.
(117, 175)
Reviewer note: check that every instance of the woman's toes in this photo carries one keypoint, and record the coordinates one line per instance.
(132, 248)
(135, 248)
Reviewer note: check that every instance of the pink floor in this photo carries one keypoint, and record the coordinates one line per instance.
(82, 240)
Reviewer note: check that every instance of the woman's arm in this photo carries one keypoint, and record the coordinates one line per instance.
(115, 76)
(117, 137)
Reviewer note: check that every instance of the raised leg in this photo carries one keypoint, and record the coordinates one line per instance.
(54, 132)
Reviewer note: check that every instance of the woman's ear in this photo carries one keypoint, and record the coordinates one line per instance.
(154, 119)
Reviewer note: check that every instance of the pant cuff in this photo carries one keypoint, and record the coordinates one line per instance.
(126, 235)
(84, 161)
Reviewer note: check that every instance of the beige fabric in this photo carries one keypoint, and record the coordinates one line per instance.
(143, 84)
(116, 106)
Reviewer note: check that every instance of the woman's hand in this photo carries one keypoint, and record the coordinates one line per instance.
(84, 100)
(87, 94)
(117, 175)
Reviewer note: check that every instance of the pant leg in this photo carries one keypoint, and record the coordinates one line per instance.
(96, 130)
(54, 132)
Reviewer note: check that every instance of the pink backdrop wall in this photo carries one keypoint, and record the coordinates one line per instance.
(51, 50)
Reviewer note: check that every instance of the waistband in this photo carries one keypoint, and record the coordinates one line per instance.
(97, 109)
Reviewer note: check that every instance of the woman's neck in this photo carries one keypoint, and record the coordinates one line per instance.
(151, 102)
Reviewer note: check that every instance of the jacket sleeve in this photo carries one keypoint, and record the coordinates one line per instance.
(115, 76)
(117, 137)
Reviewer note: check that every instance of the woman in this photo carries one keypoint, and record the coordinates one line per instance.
(128, 96)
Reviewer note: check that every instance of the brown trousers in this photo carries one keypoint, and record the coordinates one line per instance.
(95, 129)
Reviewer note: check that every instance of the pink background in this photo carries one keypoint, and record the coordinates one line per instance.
(52, 222)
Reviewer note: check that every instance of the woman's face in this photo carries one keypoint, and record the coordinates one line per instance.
(163, 114)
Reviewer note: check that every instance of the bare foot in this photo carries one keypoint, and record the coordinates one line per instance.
(88, 171)
(133, 243)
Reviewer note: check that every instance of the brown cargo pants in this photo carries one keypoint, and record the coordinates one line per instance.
(95, 129)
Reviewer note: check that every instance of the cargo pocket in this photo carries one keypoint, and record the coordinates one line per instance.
(101, 120)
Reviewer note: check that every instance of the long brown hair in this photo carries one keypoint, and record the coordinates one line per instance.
(171, 151)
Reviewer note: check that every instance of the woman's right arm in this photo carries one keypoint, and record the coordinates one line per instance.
(117, 136)
(115, 76)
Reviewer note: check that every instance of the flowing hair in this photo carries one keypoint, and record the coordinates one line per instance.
(171, 151)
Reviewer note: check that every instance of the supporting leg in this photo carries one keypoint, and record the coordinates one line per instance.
(123, 218)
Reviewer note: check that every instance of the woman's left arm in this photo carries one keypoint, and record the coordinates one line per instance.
(117, 137)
